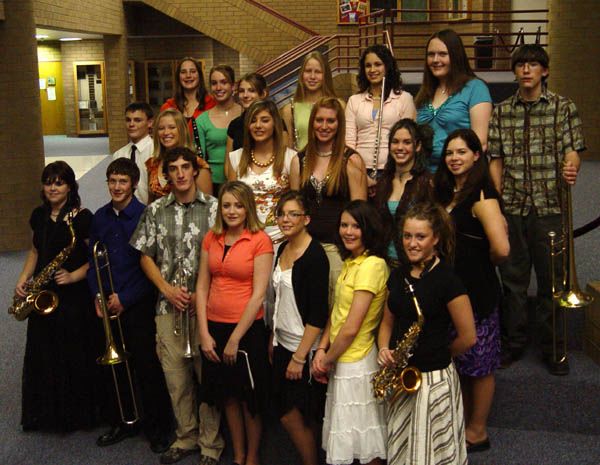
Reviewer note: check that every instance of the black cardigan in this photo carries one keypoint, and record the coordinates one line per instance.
(310, 281)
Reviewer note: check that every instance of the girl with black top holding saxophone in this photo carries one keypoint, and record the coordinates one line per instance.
(59, 371)
(426, 426)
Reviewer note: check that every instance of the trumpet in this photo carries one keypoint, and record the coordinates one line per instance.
(389, 382)
(566, 293)
(182, 324)
(114, 354)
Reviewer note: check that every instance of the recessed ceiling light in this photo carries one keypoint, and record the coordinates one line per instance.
(41, 36)
(70, 39)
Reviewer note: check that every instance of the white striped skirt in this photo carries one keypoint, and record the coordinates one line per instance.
(428, 427)
(354, 426)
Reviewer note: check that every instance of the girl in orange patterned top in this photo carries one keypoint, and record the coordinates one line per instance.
(170, 130)
(264, 162)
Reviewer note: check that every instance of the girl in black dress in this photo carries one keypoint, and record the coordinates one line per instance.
(59, 371)
(331, 174)
(464, 187)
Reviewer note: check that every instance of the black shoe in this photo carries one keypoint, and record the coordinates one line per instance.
(480, 446)
(174, 454)
(161, 444)
(508, 357)
(557, 368)
(117, 434)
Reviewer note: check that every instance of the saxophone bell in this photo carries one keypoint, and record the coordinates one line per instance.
(390, 382)
(43, 301)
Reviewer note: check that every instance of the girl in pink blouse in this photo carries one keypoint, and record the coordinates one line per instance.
(362, 112)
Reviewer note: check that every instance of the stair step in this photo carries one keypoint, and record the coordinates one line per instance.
(518, 447)
(529, 398)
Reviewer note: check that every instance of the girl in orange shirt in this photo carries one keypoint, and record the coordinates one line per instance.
(235, 267)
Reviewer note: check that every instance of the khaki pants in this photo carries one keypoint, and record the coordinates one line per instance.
(196, 426)
(335, 268)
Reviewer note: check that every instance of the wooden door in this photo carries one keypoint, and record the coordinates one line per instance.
(53, 102)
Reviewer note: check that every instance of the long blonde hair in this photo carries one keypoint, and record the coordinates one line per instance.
(243, 193)
(279, 146)
(327, 88)
(338, 178)
(185, 139)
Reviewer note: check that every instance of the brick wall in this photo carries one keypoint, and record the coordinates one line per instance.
(225, 55)
(83, 50)
(49, 51)
(104, 17)
(117, 88)
(321, 16)
(21, 148)
(247, 65)
(235, 23)
(574, 67)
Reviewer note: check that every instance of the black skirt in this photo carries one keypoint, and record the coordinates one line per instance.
(305, 394)
(246, 380)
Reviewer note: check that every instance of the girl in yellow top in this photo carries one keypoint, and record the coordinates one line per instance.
(346, 359)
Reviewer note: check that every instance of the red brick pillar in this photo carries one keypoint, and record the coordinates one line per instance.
(574, 47)
(115, 57)
(21, 143)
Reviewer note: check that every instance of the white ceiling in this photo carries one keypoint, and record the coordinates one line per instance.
(57, 35)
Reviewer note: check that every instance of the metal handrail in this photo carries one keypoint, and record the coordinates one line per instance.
(342, 50)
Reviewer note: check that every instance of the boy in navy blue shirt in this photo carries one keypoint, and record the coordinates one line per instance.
(133, 300)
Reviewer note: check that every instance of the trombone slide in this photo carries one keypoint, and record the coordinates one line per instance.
(114, 353)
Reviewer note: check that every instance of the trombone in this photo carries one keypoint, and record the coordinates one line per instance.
(181, 326)
(566, 293)
(114, 354)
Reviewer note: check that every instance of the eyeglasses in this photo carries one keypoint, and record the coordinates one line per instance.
(56, 182)
(289, 215)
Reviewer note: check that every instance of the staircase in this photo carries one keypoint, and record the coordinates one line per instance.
(261, 33)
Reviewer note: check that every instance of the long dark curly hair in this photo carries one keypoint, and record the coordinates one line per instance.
(393, 81)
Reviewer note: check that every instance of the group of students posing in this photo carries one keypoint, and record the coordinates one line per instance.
(300, 270)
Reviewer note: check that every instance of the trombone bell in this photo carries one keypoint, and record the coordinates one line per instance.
(113, 355)
(575, 298)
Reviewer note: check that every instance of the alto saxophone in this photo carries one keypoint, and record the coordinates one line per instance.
(389, 382)
(43, 301)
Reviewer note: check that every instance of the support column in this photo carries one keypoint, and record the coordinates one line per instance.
(574, 47)
(21, 143)
(117, 88)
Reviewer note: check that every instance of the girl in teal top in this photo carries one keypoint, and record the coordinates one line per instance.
(212, 124)
(405, 180)
(451, 96)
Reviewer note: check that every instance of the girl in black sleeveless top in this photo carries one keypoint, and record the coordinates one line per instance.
(331, 174)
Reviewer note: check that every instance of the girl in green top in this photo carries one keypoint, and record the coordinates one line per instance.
(314, 81)
(212, 124)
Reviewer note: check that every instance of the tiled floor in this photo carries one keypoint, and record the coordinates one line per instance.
(82, 154)
(81, 164)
